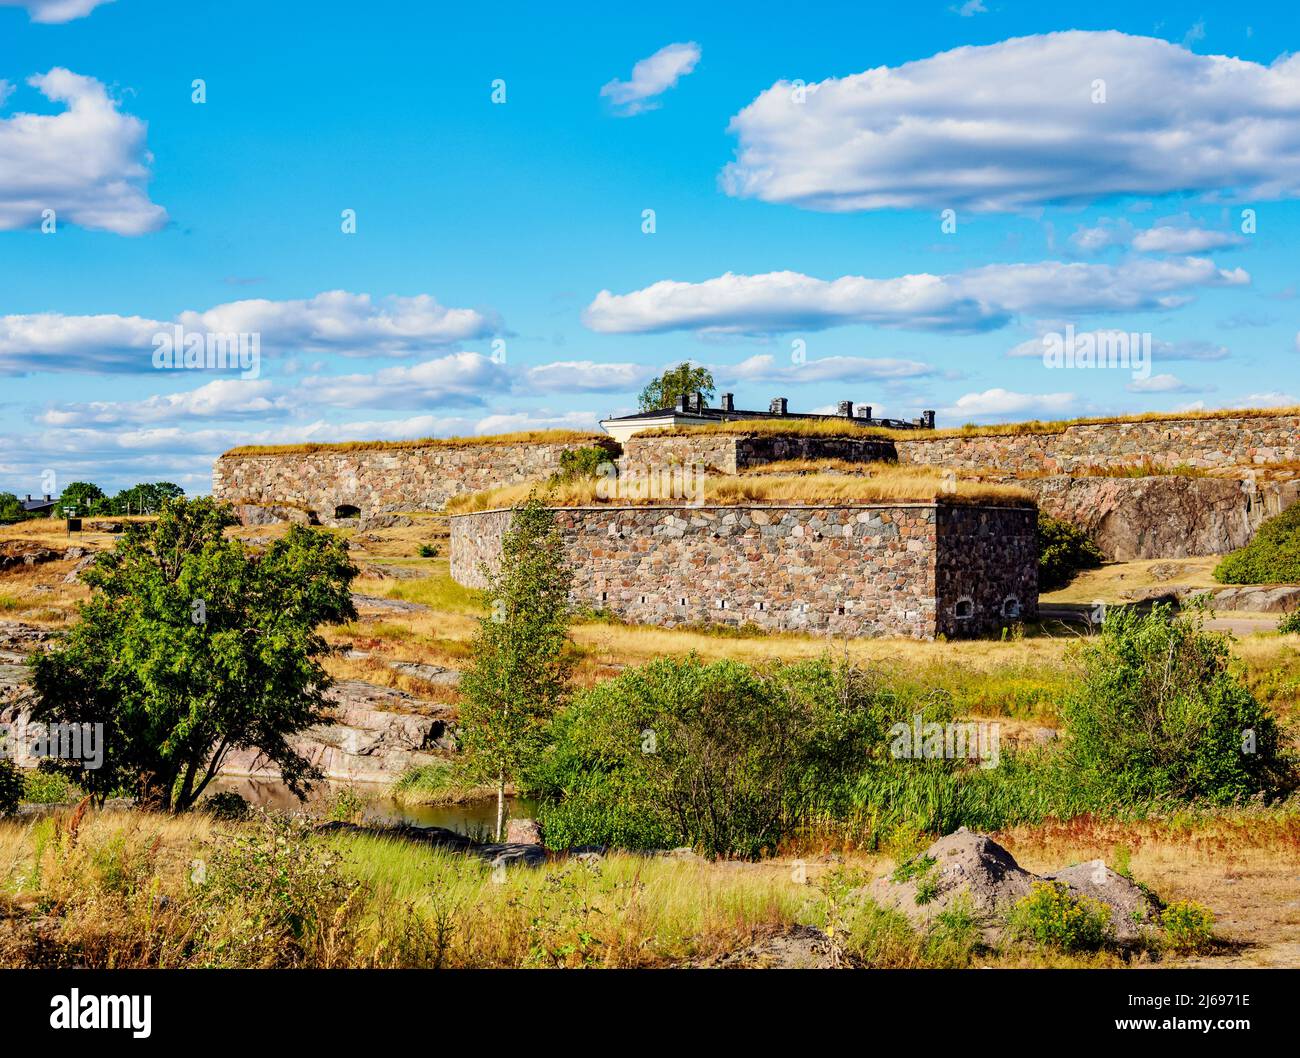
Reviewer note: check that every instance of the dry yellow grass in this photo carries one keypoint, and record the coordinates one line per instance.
(522, 437)
(890, 484)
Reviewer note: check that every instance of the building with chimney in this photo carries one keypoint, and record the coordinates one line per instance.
(692, 410)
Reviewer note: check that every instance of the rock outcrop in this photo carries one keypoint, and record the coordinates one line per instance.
(976, 870)
(377, 734)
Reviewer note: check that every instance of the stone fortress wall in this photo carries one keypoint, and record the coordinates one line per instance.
(1238, 441)
(1212, 510)
(905, 569)
(383, 478)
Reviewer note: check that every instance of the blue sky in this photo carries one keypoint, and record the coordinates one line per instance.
(499, 276)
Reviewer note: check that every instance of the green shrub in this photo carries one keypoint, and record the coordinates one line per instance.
(1051, 916)
(1188, 926)
(45, 787)
(1159, 713)
(271, 894)
(226, 804)
(1290, 624)
(1063, 550)
(429, 551)
(723, 756)
(11, 787)
(1272, 557)
(578, 463)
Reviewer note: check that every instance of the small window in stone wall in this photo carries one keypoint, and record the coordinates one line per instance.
(644, 599)
(681, 602)
(1011, 607)
(722, 604)
(346, 510)
(762, 606)
(964, 609)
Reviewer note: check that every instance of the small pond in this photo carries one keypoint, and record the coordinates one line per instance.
(474, 819)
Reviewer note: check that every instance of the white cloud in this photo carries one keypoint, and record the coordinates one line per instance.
(1160, 384)
(1002, 403)
(351, 324)
(220, 399)
(461, 378)
(971, 7)
(583, 376)
(56, 11)
(652, 77)
(1194, 349)
(1167, 239)
(1013, 126)
(764, 368)
(88, 163)
(1271, 399)
(979, 299)
(336, 321)
(1101, 236)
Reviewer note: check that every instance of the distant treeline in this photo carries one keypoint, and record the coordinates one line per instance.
(86, 499)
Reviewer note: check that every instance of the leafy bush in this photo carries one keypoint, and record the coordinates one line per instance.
(1188, 926)
(11, 787)
(719, 755)
(428, 550)
(1159, 713)
(578, 463)
(1063, 550)
(1272, 557)
(273, 895)
(1054, 918)
(228, 805)
(46, 787)
(1290, 624)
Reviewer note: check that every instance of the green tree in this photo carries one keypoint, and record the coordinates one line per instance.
(1063, 550)
(11, 787)
(83, 496)
(663, 391)
(191, 646)
(519, 671)
(145, 498)
(11, 508)
(1160, 713)
(1272, 557)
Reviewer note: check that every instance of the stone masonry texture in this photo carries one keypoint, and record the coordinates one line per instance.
(1244, 441)
(380, 480)
(900, 569)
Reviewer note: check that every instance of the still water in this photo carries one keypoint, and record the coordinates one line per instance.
(474, 819)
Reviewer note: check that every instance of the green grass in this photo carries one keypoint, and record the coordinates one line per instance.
(439, 592)
(433, 784)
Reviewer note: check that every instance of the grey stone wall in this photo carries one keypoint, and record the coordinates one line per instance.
(381, 480)
(728, 454)
(989, 557)
(1240, 441)
(841, 570)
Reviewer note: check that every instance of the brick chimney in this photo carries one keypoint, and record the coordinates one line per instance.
(778, 406)
(683, 402)
(699, 401)
(866, 411)
(846, 409)
(728, 402)
(928, 418)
